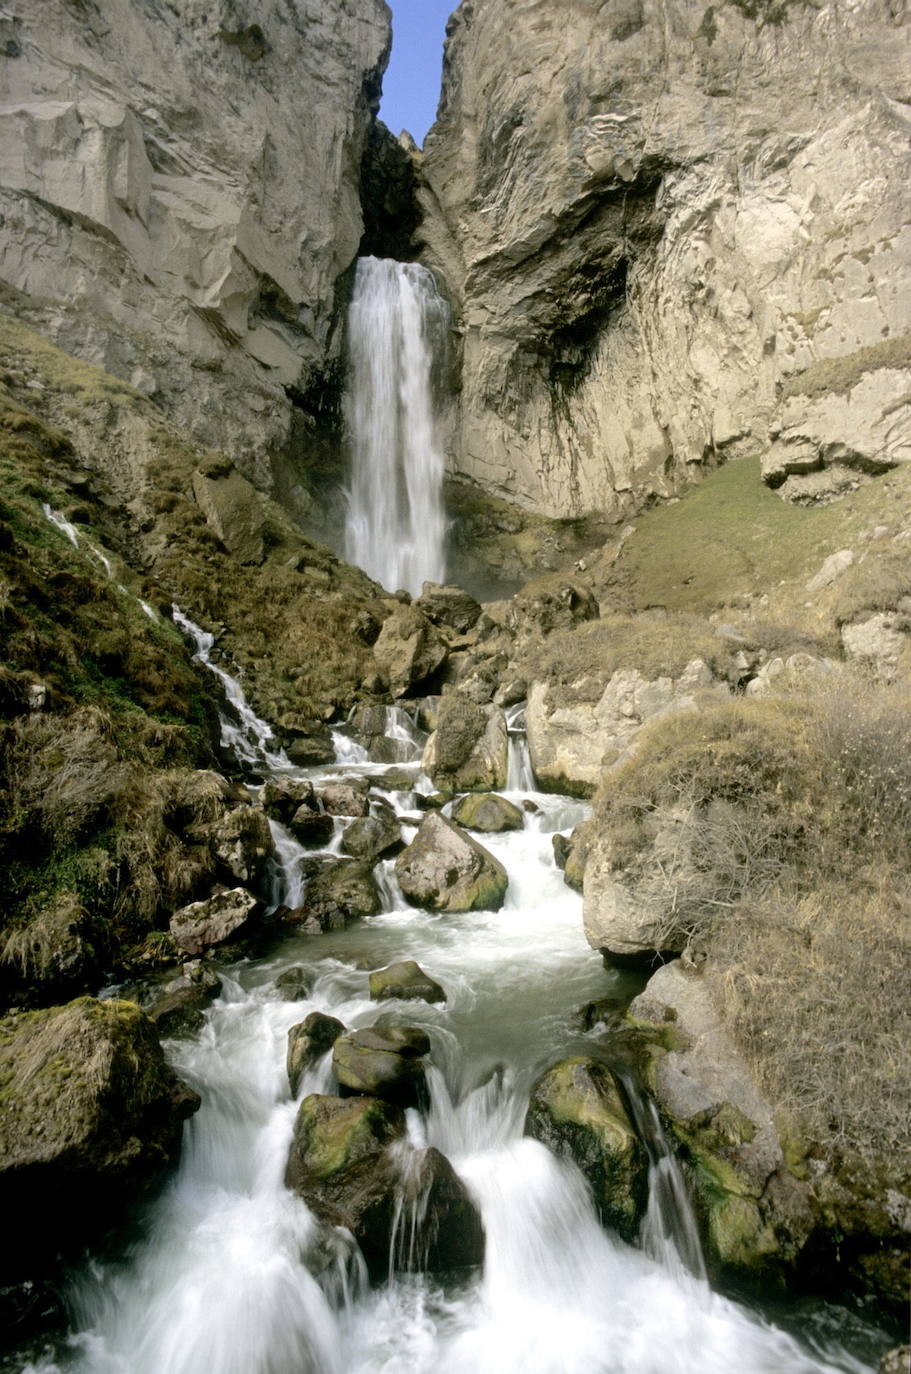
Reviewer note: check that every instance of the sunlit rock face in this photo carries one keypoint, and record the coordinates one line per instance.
(179, 194)
(663, 224)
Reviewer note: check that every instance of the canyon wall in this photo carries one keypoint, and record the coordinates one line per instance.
(179, 196)
(674, 233)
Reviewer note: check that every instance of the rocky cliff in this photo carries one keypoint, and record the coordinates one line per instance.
(675, 233)
(180, 195)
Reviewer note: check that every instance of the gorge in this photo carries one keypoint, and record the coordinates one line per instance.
(530, 954)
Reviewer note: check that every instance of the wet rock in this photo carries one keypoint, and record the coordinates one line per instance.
(91, 1117)
(371, 837)
(469, 750)
(383, 1061)
(756, 1217)
(309, 1041)
(406, 981)
(428, 713)
(571, 854)
(294, 984)
(343, 892)
(348, 798)
(577, 1109)
(312, 827)
(227, 916)
(446, 870)
(408, 650)
(434, 801)
(282, 797)
(351, 1164)
(487, 812)
(449, 606)
(180, 1010)
(395, 780)
(309, 746)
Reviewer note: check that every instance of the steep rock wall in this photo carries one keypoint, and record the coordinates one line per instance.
(675, 232)
(179, 194)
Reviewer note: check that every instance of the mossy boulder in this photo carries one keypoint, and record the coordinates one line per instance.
(59, 952)
(408, 650)
(350, 1163)
(469, 749)
(488, 813)
(90, 1117)
(577, 1109)
(383, 1061)
(308, 1042)
(405, 982)
(446, 870)
(295, 983)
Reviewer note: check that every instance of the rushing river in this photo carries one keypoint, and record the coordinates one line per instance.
(223, 1279)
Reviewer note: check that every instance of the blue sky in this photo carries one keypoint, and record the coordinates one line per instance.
(411, 86)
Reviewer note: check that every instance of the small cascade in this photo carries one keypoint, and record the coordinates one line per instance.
(406, 734)
(669, 1232)
(250, 739)
(396, 526)
(520, 777)
(288, 883)
(64, 525)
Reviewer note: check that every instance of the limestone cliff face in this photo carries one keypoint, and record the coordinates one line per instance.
(179, 193)
(675, 232)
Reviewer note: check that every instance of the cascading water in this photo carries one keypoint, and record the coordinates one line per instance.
(395, 528)
(232, 1276)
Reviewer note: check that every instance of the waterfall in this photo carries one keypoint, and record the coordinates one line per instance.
(395, 527)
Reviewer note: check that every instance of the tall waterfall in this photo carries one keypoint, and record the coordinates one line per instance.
(395, 528)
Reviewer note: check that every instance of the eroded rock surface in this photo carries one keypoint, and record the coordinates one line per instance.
(147, 208)
(641, 218)
(469, 749)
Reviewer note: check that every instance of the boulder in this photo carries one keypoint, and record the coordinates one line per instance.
(351, 1165)
(346, 798)
(242, 844)
(312, 827)
(227, 916)
(294, 984)
(756, 1216)
(487, 812)
(469, 750)
(180, 1010)
(408, 650)
(383, 1061)
(895, 1361)
(405, 982)
(343, 891)
(92, 1115)
(309, 1041)
(309, 745)
(373, 836)
(446, 870)
(577, 1108)
(449, 606)
(233, 510)
(281, 797)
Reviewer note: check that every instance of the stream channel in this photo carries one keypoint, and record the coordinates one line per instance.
(217, 1283)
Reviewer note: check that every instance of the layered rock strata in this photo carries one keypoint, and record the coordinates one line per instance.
(674, 233)
(179, 195)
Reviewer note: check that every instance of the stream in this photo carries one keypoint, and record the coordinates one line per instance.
(218, 1281)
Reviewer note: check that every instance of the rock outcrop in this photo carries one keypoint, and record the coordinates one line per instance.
(181, 195)
(643, 220)
(91, 1117)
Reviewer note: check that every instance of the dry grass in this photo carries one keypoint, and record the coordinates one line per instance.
(773, 837)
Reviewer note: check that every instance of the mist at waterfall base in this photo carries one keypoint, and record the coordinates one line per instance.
(232, 1274)
(397, 326)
